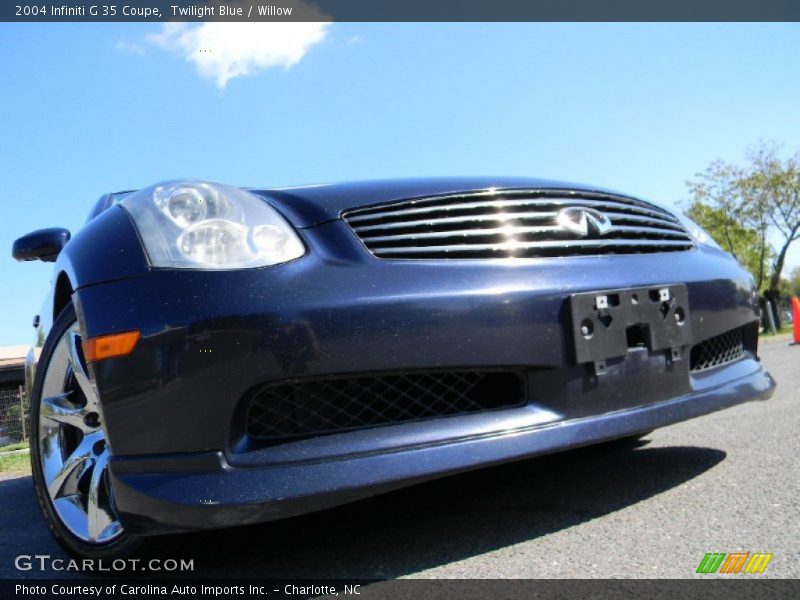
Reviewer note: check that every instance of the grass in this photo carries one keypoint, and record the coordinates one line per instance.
(16, 446)
(785, 329)
(18, 463)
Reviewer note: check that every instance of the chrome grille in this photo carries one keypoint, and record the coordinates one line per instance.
(513, 224)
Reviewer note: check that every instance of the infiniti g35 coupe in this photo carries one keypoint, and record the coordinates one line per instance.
(219, 356)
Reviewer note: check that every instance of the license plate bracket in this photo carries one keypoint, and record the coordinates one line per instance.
(606, 323)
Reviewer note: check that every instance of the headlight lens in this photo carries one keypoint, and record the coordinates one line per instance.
(699, 234)
(202, 225)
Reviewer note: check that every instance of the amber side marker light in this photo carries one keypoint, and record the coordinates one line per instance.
(110, 346)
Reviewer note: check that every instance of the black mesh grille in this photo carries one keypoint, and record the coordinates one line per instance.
(718, 351)
(314, 407)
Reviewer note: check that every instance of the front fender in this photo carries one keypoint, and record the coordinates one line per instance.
(107, 248)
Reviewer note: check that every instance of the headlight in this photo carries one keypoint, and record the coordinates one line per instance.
(201, 225)
(699, 234)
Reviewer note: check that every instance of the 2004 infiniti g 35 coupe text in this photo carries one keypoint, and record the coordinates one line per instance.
(217, 356)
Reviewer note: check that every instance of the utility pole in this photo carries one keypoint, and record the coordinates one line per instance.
(771, 318)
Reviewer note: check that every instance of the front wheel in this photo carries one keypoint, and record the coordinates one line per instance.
(70, 451)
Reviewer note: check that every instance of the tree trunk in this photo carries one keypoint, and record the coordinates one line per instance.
(775, 280)
(760, 279)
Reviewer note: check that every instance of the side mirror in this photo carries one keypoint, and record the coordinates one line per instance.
(42, 244)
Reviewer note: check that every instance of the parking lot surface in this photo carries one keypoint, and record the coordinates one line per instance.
(725, 482)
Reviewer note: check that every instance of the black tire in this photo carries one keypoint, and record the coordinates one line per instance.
(122, 546)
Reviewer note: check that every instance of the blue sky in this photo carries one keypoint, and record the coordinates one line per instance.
(636, 107)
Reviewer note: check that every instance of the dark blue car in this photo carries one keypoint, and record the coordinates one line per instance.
(217, 356)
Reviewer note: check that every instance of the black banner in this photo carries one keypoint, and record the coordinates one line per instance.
(400, 10)
(406, 589)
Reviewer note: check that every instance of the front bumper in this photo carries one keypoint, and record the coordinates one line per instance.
(203, 491)
(208, 338)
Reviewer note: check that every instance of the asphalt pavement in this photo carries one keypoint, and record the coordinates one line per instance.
(721, 483)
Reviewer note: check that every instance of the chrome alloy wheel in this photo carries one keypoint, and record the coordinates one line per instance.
(72, 446)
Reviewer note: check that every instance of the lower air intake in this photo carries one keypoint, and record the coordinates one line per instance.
(324, 406)
(718, 351)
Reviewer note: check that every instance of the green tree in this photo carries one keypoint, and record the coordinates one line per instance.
(793, 282)
(763, 198)
(744, 243)
(774, 185)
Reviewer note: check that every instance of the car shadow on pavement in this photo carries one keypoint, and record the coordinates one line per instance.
(452, 519)
(420, 527)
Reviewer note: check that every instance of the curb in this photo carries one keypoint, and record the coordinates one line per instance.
(776, 339)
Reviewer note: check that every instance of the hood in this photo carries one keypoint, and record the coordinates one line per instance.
(310, 205)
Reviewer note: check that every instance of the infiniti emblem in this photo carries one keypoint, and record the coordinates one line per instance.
(583, 221)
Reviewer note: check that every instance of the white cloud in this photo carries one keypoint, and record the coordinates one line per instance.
(222, 51)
